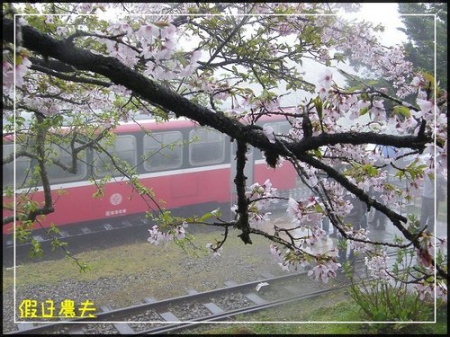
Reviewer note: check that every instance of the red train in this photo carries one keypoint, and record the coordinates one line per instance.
(196, 177)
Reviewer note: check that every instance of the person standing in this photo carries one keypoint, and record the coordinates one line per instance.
(379, 219)
(356, 215)
(430, 206)
(326, 225)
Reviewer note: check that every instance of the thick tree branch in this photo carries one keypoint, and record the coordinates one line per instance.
(52, 65)
(71, 78)
(240, 181)
(397, 219)
(160, 95)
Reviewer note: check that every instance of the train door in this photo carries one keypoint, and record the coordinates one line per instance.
(248, 170)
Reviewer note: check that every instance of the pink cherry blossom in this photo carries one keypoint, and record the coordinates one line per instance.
(8, 75)
(378, 266)
(324, 271)
(417, 81)
(180, 232)
(424, 290)
(215, 252)
(326, 79)
(148, 33)
(195, 56)
(293, 210)
(155, 235)
(269, 132)
(168, 32)
(425, 106)
(275, 251)
(21, 71)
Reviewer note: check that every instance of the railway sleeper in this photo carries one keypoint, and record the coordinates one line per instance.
(169, 317)
(215, 310)
(255, 298)
(123, 328)
(24, 326)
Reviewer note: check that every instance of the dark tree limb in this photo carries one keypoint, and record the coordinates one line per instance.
(71, 78)
(240, 181)
(157, 94)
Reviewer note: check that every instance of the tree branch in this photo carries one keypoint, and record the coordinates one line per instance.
(160, 95)
(71, 78)
(240, 181)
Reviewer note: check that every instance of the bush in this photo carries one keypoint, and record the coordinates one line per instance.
(390, 299)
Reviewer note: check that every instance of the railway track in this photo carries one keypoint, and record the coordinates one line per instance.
(155, 317)
(176, 314)
(185, 312)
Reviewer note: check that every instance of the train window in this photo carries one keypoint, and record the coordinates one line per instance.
(124, 148)
(63, 153)
(22, 168)
(284, 127)
(280, 128)
(163, 151)
(206, 147)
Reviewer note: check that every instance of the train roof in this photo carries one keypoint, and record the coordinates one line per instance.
(180, 123)
(144, 122)
(154, 125)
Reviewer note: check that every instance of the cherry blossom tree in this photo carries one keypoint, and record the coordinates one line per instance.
(203, 62)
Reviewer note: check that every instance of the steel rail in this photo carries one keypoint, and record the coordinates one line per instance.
(139, 308)
(235, 312)
(135, 309)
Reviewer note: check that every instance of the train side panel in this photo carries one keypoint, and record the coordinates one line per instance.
(282, 178)
(174, 190)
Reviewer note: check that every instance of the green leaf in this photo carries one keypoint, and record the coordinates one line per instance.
(205, 217)
(317, 153)
(370, 170)
(402, 110)
(318, 104)
(318, 208)
(363, 111)
(429, 78)
(339, 57)
(365, 96)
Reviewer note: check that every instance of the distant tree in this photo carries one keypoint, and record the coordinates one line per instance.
(419, 29)
(419, 24)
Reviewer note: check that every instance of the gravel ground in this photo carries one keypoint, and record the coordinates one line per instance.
(242, 264)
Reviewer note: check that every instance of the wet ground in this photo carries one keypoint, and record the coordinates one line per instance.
(388, 234)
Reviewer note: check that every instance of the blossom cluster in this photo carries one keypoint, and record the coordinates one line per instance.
(20, 68)
(305, 213)
(378, 265)
(289, 260)
(157, 48)
(425, 289)
(157, 236)
(325, 266)
(260, 198)
(214, 250)
(324, 271)
(360, 234)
